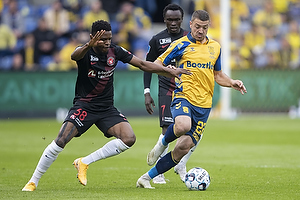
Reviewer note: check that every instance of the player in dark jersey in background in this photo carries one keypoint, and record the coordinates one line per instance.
(173, 17)
(93, 102)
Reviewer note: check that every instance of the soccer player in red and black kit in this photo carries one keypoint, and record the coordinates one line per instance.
(173, 17)
(93, 102)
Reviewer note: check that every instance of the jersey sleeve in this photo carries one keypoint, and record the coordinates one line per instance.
(147, 79)
(151, 56)
(175, 51)
(123, 55)
(217, 66)
(152, 53)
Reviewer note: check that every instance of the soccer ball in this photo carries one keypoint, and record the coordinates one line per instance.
(197, 179)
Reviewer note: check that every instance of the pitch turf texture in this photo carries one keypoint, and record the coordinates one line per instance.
(247, 158)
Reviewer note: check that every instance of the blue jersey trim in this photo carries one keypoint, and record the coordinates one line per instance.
(176, 53)
(218, 63)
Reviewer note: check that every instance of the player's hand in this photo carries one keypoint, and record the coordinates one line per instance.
(239, 85)
(171, 67)
(179, 71)
(149, 102)
(95, 40)
(176, 72)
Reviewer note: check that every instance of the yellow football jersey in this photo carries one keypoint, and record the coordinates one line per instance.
(201, 60)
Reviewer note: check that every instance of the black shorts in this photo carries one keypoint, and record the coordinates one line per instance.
(165, 115)
(83, 117)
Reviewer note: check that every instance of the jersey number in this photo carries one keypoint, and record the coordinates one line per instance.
(81, 114)
(163, 110)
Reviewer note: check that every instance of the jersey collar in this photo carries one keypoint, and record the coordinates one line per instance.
(190, 37)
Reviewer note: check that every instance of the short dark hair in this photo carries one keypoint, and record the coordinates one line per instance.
(100, 25)
(201, 14)
(173, 6)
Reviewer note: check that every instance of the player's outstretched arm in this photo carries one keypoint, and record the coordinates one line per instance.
(225, 81)
(158, 69)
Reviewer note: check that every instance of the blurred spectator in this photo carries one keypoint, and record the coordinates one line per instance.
(13, 18)
(266, 16)
(8, 39)
(45, 44)
(8, 43)
(240, 15)
(1, 6)
(133, 28)
(241, 55)
(281, 6)
(255, 38)
(83, 34)
(213, 7)
(272, 60)
(148, 6)
(62, 60)
(158, 17)
(74, 8)
(112, 7)
(294, 10)
(272, 47)
(57, 19)
(96, 12)
(272, 43)
(55, 63)
(285, 53)
(24, 60)
(293, 37)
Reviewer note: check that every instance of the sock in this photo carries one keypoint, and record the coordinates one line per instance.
(166, 150)
(146, 176)
(169, 135)
(163, 165)
(187, 156)
(112, 148)
(48, 157)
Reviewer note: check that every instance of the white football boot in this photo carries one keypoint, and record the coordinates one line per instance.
(159, 179)
(154, 154)
(144, 182)
(180, 169)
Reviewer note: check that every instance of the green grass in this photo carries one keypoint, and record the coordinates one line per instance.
(247, 158)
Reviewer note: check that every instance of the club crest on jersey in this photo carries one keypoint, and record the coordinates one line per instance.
(93, 58)
(110, 61)
(211, 50)
(165, 41)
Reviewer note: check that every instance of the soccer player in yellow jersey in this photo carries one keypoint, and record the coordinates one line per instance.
(192, 100)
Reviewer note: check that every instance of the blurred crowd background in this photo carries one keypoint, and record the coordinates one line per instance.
(40, 35)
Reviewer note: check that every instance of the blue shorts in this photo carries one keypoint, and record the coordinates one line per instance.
(198, 116)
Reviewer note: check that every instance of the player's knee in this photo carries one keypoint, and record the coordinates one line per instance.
(129, 139)
(181, 129)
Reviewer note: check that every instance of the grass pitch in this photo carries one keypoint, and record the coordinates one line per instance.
(247, 158)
